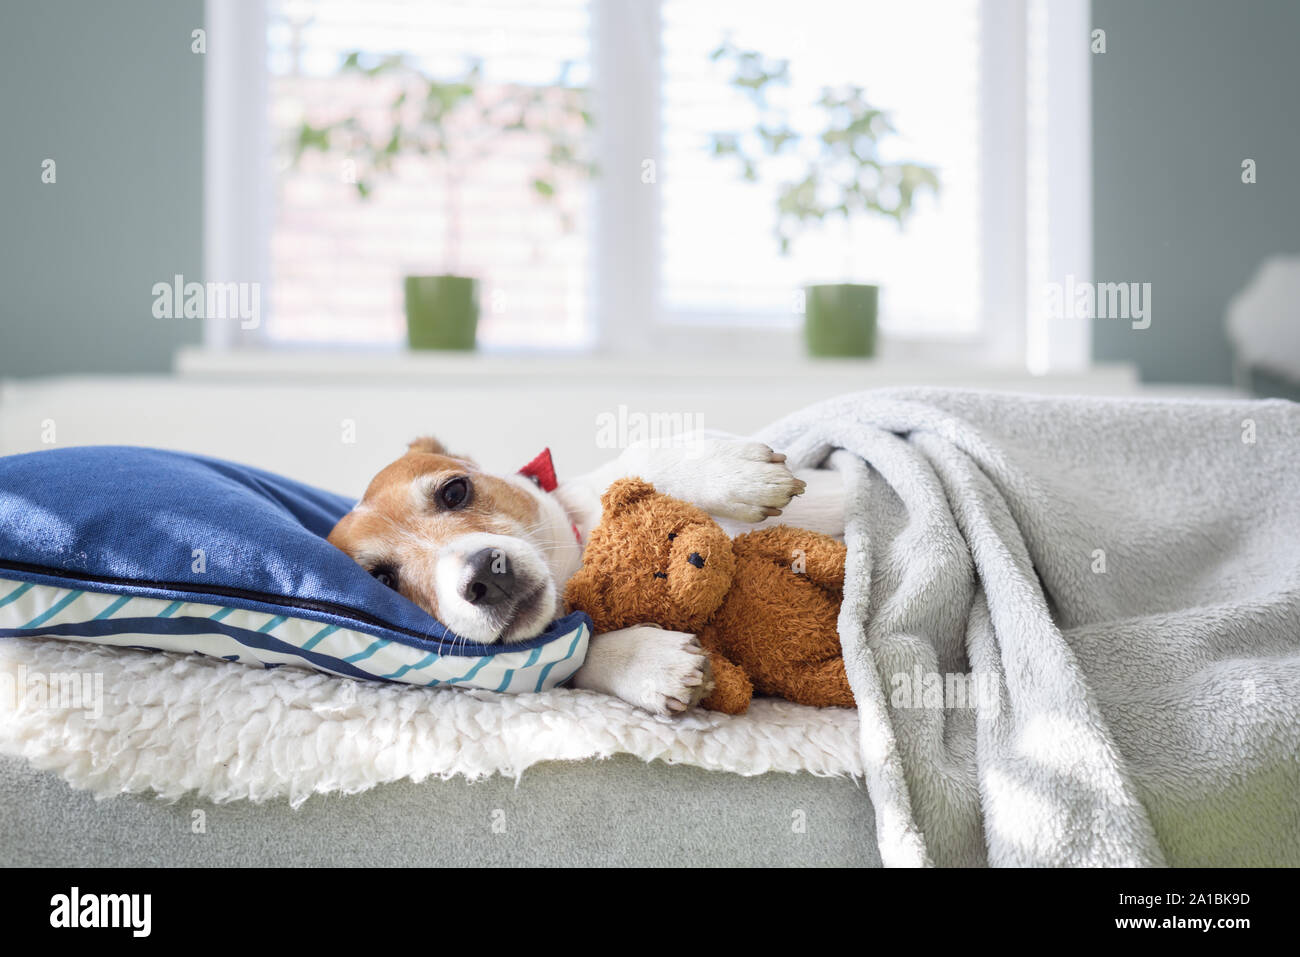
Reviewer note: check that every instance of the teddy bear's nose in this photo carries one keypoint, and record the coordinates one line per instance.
(696, 559)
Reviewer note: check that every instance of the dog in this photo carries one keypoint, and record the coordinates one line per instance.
(489, 555)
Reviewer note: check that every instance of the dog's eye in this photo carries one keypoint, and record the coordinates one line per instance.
(386, 575)
(455, 493)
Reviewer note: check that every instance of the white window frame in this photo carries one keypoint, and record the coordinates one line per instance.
(1066, 346)
(628, 315)
(238, 179)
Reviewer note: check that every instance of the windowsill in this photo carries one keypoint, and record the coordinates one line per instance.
(484, 369)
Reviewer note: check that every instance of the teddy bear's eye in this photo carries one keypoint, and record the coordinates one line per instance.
(660, 575)
(671, 536)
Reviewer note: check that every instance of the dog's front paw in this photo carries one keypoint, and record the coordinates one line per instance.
(674, 672)
(743, 480)
(664, 672)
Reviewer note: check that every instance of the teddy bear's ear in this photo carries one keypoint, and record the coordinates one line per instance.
(624, 492)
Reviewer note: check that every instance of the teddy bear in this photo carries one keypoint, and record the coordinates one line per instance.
(764, 606)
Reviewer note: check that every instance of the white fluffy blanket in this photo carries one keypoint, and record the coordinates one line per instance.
(1072, 626)
(175, 725)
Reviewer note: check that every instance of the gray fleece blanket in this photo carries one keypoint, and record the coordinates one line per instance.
(1072, 625)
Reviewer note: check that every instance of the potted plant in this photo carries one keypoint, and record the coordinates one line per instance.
(842, 175)
(455, 123)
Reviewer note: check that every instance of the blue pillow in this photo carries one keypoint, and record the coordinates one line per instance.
(165, 550)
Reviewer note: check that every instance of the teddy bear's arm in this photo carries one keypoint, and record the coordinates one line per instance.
(818, 556)
(732, 689)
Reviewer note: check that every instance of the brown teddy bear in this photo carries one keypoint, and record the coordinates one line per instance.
(764, 605)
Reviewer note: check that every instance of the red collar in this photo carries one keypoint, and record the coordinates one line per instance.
(542, 471)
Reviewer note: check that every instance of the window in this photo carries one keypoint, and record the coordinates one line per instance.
(993, 93)
(337, 261)
(720, 260)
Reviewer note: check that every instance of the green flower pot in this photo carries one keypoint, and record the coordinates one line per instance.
(441, 312)
(840, 319)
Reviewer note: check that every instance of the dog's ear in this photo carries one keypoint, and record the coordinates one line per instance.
(625, 492)
(427, 443)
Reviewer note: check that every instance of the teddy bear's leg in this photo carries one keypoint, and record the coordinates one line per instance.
(732, 689)
(825, 685)
(818, 556)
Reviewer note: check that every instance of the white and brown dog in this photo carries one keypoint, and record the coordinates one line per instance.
(489, 555)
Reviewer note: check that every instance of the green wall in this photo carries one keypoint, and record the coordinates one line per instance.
(112, 93)
(1186, 90)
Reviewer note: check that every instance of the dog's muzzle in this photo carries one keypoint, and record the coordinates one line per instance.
(489, 578)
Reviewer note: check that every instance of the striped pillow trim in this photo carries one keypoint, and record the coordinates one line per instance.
(256, 638)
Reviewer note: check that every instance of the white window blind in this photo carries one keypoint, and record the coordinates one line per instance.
(920, 61)
(685, 255)
(337, 261)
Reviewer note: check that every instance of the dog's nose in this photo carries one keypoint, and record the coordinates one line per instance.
(696, 559)
(490, 577)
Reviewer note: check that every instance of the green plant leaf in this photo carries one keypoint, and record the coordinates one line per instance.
(844, 175)
(557, 114)
(312, 138)
(724, 144)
